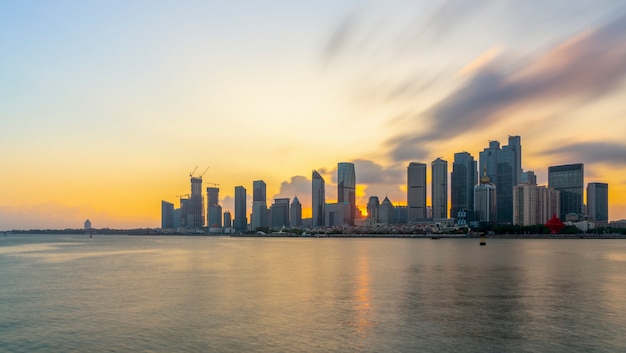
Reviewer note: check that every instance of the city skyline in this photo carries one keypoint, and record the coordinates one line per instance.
(105, 108)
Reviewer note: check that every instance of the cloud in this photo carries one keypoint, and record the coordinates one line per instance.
(339, 38)
(298, 186)
(370, 172)
(592, 152)
(578, 70)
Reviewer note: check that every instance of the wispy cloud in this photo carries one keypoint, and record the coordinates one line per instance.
(592, 152)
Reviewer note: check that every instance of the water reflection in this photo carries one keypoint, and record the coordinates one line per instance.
(363, 311)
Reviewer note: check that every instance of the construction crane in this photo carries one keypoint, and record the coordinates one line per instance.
(194, 170)
(214, 184)
(184, 195)
(201, 175)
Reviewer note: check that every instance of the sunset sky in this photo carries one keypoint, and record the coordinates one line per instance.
(106, 107)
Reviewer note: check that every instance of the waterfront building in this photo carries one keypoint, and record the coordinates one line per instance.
(416, 192)
(399, 214)
(167, 215)
(228, 221)
(337, 214)
(462, 181)
(295, 213)
(241, 220)
(318, 200)
(372, 209)
(214, 210)
(485, 200)
(504, 169)
(192, 208)
(259, 205)
(439, 188)
(568, 179)
(346, 188)
(87, 225)
(529, 178)
(598, 202)
(386, 212)
(534, 204)
(280, 213)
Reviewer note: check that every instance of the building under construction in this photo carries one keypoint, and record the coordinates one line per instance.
(192, 207)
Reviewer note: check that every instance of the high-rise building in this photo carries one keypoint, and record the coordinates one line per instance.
(280, 213)
(241, 220)
(192, 208)
(319, 200)
(337, 214)
(534, 204)
(529, 178)
(416, 192)
(295, 213)
(228, 220)
(485, 200)
(386, 214)
(259, 205)
(504, 168)
(167, 215)
(439, 188)
(568, 179)
(598, 202)
(372, 209)
(346, 188)
(463, 179)
(214, 210)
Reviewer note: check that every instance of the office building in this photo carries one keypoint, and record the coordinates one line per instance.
(346, 188)
(192, 208)
(504, 169)
(598, 202)
(295, 213)
(534, 204)
(259, 205)
(416, 192)
(167, 215)
(337, 214)
(439, 188)
(568, 179)
(214, 210)
(241, 220)
(280, 213)
(228, 221)
(318, 200)
(372, 209)
(485, 200)
(462, 182)
(386, 212)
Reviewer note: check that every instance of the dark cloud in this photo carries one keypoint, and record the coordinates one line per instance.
(592, 152)
(370, 172)
(579, 70)
(339, 38)
(298, 186)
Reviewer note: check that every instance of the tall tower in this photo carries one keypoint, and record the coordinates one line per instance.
(439, 190)
(192, 208)
(416, 192)
(214, 210)
(569, 180)
(259, 205)
(319, 199)
(463, 179)
(373, 206)
(241, 220)
(485, 200)
(598, 202)
(504, 168)
(346, 187)
(295, 213)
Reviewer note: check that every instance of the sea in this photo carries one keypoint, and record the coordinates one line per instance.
(73, 293)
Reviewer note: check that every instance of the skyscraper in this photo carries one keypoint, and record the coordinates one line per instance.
(485, 200)
(241, 220)
(319, 199)
(416, 192)
(346, 188)
(214, 210)
(372, 209)
(167, 215)
(598, 202)
(463, 179)
(259, 205)
(192, 208)
(439, 188)
(504, 168)
(280, 213)
(386, 214)
(569, 180)
(295, 213)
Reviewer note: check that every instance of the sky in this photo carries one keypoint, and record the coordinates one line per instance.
(107, 107)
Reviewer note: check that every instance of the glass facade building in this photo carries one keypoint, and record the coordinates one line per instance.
(416, 192)
(346, 188)
(568, 179)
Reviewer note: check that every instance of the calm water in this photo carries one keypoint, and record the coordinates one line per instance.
(219, 294)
